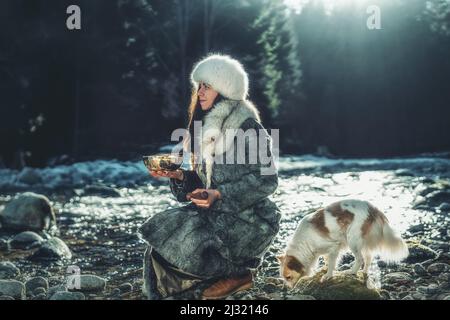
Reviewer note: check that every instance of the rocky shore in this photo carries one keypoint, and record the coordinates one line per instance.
(51, 231)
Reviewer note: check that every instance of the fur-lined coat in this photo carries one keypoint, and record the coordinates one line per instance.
(233, 234)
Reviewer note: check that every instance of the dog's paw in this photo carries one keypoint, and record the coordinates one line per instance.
(325, 277)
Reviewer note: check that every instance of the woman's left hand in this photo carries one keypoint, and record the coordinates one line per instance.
(213, 195)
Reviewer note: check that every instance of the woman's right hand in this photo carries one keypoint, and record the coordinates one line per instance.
(177, 174)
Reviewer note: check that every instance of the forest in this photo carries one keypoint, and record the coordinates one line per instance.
(117, 87)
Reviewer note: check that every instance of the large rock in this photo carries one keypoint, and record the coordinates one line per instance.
(28, 212)
(398, 278)
(26, 240)
(8, 270)
(35, 283)
(89, 282)
(52, 249)
(419, 252)
(12, 288)
(340, 287)
(66, 295)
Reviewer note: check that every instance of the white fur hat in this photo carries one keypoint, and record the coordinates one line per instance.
(224, 74)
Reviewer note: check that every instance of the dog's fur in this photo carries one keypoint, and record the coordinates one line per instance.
(348, 223)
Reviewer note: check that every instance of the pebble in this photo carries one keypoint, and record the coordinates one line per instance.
(41, 296)
(39, 291)
(438, 267)
(52, 249)
(126, 287)
(13, 288)
(4, 244)
(8, 270)
(35, 283)
(430, 289)
(419, 269)
(66, 295)
(300, 297)
(55, 289)
(26, 240)
(398, 278)
(89, 282)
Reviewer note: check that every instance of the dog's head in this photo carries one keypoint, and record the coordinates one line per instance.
(291, 270)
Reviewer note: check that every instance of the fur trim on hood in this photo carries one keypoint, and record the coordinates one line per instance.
(227, 114)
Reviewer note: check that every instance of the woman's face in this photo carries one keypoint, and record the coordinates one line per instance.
(206, 95)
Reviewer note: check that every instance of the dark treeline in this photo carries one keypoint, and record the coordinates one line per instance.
(120, 85)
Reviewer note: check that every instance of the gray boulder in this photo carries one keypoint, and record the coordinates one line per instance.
(12, 288)
(89, 282)
(28, 212)
(26, 240)
(52, 249)
(8, 270)
(35, 283)
(66, 295)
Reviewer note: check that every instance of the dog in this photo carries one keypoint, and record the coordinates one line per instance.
(353, 224)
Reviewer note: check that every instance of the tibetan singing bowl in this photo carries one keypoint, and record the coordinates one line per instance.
(167, 162)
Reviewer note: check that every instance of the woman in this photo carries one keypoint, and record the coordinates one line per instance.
(216, 241)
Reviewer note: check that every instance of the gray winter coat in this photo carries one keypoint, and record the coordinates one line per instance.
(236, 231)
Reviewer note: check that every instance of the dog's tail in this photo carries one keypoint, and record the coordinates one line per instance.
(392, 247)
(380, 238)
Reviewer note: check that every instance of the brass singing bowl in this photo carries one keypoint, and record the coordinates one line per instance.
(159, 162)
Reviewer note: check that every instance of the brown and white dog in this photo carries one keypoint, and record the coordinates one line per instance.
(348, 223)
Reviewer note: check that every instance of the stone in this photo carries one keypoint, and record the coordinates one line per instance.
(52, 249)
(41, 296)
(430, 289)
(4, 244)
(67, 295)
(37, 282)
(12, 288)
(89, 282)
(445, 206)
(126, 287)
(398, 278)
(55, 289)
(341, 287)
(419, 270)
(27, 212)
(436, 198)
(26, 240)
(438, 267)
(40, 291)
(419, 253)
(8, 270)
(300, 297)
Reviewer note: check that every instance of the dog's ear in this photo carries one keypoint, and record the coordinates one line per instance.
(281, 258)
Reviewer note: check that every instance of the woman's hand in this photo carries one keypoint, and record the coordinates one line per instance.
(213, 195)
(177, 174)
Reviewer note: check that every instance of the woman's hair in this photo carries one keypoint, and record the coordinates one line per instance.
(196, 113)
